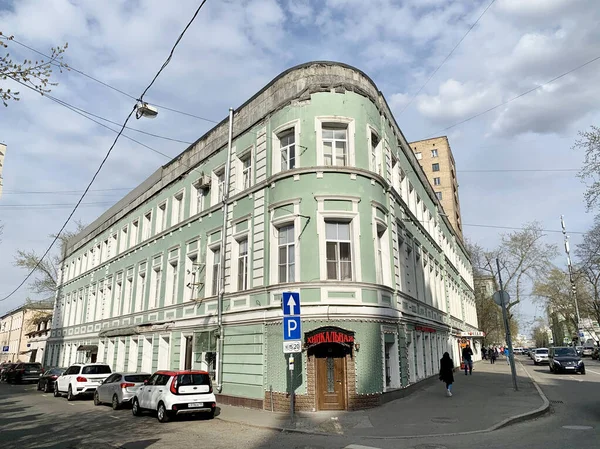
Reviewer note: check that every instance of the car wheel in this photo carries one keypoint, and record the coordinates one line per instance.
(39, 387)
(551, 369)
(535, 363)
(583, 371)
(96, 399)
(162, 413)
(46, 388)
(211, 415)
(135, 408)
(70, 396)
(115, 402)
(56, 392)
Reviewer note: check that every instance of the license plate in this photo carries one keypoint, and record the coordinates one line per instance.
(570, 367)
(196, 405)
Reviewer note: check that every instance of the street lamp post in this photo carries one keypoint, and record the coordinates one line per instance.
(571, 278)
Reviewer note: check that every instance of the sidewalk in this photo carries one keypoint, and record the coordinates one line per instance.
(480, 402)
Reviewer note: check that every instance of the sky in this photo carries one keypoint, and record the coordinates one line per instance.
(235, 47)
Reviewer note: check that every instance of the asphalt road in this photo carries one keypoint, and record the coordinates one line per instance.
(31, 419)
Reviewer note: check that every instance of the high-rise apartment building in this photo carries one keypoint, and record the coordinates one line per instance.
(435, 156)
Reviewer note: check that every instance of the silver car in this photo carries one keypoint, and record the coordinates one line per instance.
(119, 389)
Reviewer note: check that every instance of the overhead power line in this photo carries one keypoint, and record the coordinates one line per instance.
(141, 99)
(24, 192)
(446, 58)
(533, 89)
(516, 228)
(51, 204)
(525, 170)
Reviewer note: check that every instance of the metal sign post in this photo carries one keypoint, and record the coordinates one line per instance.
(504, 298)
(292, 336)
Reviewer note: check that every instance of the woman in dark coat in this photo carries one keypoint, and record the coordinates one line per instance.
(447, 372)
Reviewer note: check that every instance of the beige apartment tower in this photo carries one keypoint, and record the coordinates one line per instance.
(435, 156)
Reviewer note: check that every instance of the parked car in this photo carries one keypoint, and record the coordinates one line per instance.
(565, 359)
(596, 354)
(81, 379)
(579, 350)
(24, 372)
(5, 370)
(119, 388)
(46, 380)
(532, 353)
(171, 393)
(540, 356)
(588, 350)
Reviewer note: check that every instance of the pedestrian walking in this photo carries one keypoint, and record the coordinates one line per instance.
(492, 355)
(506, 353)
(447, 372)
(484, 353)
(467, 355)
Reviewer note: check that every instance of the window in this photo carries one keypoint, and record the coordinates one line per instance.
(374, 151)
(335, 144)
(117, 297)
(438, 195)
(216, 270)
(161, 217)
(172, 278)
(199, 192)
(191, 276)
(177, 213)
(419, 155)
(147, 229)
(127, 297)
(434, 153)
(155, 282)
(437, 181)
(246, 169)
(435, 167)
(338, 251)
(286, 254)
(218, 193)
(287, 147)
(123, 242)
(243, 264)
(134, 233)
(141, 289)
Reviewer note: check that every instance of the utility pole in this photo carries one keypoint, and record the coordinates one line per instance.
(225, 201)
(571, 278)
(511, 357)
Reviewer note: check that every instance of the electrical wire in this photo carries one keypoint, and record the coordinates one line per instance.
(66, 192)
(49, 204)
(533, 89)
(103, 160)
(446, 58)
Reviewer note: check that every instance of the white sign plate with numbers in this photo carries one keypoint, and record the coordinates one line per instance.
(292, 347)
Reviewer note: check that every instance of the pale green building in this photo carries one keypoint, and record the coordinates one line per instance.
(328, 200)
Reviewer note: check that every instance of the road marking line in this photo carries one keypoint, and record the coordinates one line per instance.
(71, 404)
(359, 446)
(592, 371)
(114, 417)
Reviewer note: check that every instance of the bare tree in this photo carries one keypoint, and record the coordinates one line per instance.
(524, 258)
(45, 279)
(35, 74)
(540, 336)
(588, 267)
(589, 142)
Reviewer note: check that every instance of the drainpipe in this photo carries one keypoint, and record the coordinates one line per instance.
(219, 373)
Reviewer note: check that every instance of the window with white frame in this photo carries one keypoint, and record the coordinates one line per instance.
(177, 212)
(287, 148)
(198, 195)
(134, 233)
(124, 240)
(379, 248)
(374, 144)
(245, 170)
(220, 185)
(438, 195)
(216, 270)
(117, 296)
(128, 294)
(113, 249)
(147, 226)
(172, 282)
(419, 155)
(338, 250)
(335, 144)
(191, 276)
(161, 217)
(434, 153)
(286, 254)
(140, 294)
(242, 264)
(104, 251)
(155, 283)
(437, 181)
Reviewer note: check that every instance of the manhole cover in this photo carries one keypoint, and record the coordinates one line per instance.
(578, 427)
(443, 420)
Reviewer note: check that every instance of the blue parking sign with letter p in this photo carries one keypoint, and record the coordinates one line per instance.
(292, 328)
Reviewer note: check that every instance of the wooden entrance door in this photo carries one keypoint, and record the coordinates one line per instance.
(331, 383)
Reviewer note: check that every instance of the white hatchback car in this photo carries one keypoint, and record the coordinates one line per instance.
(81, 379)
(171, 393)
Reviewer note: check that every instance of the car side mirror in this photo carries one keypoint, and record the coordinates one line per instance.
(146, 382)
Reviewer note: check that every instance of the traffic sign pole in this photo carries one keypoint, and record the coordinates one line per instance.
(292, 336)
(511, 356)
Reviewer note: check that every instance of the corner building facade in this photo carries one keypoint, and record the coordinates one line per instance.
(328, 200)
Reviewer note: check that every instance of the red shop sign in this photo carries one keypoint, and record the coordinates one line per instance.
(329, 335)
(425, 329)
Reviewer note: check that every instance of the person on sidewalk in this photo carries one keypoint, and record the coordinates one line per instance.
(506, 355)
(447, 372)
(467, 354)
(484, 353)
(492, 355)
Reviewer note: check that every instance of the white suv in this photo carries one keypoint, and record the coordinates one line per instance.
(81, 379)
(174, 392)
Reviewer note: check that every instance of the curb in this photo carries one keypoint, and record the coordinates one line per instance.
(543, 409)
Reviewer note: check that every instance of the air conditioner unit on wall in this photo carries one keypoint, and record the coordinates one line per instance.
(204, 181)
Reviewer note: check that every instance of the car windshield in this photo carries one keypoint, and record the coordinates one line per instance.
(193, 379)
(33, 365)
(56, 371)
(563, 352)
(96, 369)
(137, 378)
(541, 351)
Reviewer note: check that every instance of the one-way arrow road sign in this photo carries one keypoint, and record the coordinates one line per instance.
(291, 303)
